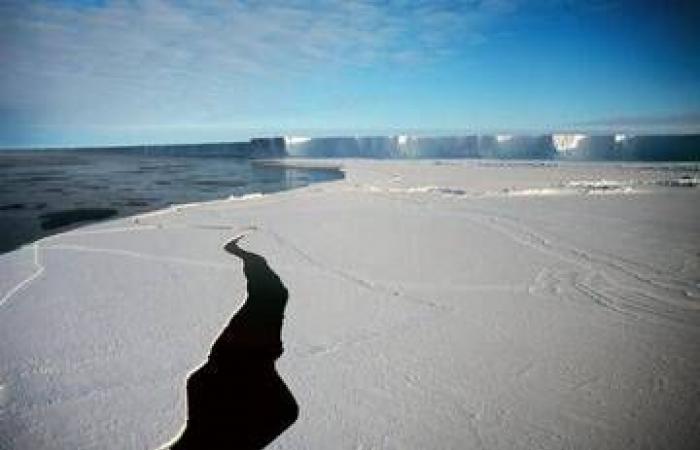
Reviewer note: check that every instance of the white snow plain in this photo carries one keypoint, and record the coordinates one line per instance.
(433, 304)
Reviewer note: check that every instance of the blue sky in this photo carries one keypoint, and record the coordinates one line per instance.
(98, 72)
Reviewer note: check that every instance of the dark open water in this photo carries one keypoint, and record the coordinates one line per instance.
(237, 399)
(46, 192)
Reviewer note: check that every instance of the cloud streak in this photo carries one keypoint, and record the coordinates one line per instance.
(161, 61)
(114, 68)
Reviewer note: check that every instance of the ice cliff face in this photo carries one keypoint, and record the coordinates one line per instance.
(581, 146)
(255, 148)
(403, 146)
(622, 147)
(267, 147)
(567, 146)
(564, 143)
(573, 146)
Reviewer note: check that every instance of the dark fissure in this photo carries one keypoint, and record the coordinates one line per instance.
(237, 400)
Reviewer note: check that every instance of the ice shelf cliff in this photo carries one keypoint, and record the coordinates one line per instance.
(576, 146)
(566, 146)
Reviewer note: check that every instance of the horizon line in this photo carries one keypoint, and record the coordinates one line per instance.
(332, 135)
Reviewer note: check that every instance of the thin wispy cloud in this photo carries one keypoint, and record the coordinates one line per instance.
(75, 67)
(117, 61)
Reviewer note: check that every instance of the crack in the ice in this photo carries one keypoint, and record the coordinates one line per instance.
(40, 268)
(22, 284)
(237, 399)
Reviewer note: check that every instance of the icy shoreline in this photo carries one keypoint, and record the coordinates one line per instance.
(452, 304)
(45, 192)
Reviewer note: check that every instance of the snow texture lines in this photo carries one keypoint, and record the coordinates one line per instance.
(132, 254)
(19, 286)
(620, 285)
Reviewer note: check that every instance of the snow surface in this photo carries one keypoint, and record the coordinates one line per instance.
(429, 308)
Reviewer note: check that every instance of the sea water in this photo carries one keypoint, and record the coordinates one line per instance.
(43, 192)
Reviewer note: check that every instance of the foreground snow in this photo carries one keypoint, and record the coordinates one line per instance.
(431, 305)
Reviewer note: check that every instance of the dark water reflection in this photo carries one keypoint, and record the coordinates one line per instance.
(237, 400)
(74, 184)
